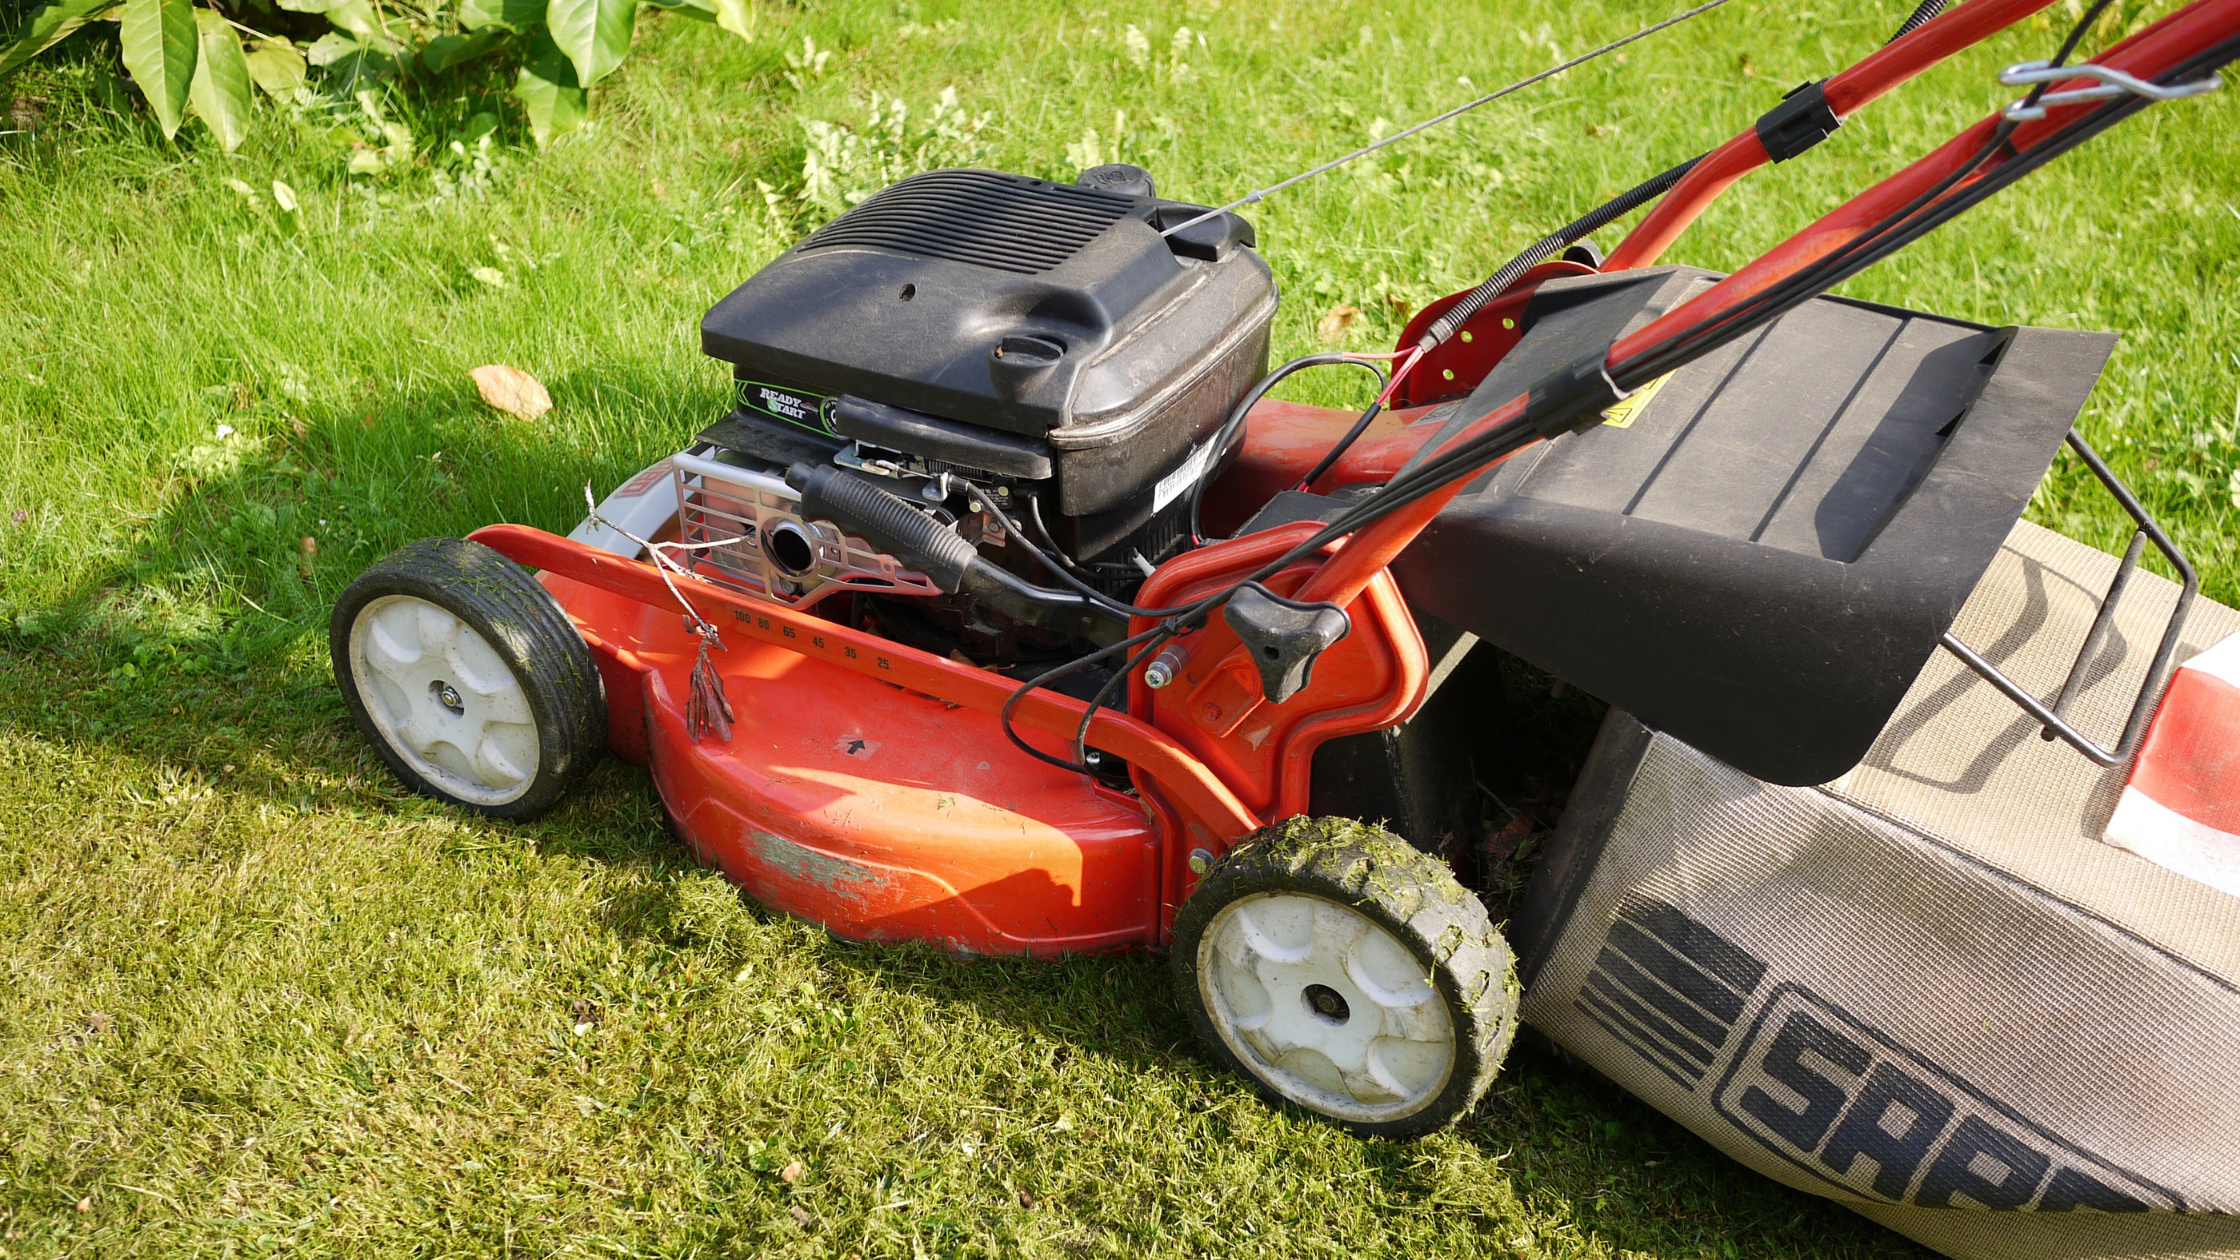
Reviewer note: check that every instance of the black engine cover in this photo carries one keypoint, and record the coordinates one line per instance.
(1054, 313)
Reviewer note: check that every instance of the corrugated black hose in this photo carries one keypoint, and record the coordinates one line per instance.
(1549, 246)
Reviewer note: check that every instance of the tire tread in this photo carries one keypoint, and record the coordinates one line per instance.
(1384, 876)
(509, 607)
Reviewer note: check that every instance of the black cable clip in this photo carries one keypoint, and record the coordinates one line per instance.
(1801, 120)
(1573, 398)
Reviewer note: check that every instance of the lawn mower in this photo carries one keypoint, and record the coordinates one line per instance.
(1006, 612)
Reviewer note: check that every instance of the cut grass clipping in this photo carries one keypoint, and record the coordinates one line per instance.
(259, 1002)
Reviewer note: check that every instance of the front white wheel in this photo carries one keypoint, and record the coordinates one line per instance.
(1338, 1015)
(468, 679)
(1348, 974)
(439, 695)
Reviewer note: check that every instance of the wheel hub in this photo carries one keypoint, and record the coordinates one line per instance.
(443, 700)
(1326, 1006)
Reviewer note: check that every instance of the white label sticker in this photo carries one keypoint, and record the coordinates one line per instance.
(1181, 479)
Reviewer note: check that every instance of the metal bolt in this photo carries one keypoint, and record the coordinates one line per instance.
(1164, 667)
(447, 696)
(1201, 861)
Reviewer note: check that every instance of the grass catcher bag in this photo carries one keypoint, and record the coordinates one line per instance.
(1931, 989)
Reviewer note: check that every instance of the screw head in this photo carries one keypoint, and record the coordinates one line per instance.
(1201, 861)
(1157, 674)
(448, 696)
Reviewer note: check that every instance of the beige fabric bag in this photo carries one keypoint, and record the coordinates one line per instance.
(1928, 990)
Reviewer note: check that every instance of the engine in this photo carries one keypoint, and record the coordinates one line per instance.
(963, 357)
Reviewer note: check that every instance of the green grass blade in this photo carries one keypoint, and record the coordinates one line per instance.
(595, 34)
(277, 68)
(548, 87)
(48, 26)
(160, 50)
(220, 90)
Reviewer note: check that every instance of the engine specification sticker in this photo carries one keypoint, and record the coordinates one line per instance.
(790, 405)
(1182, 478)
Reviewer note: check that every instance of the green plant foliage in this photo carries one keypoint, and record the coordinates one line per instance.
(276, 67)
(595, 34)
(50, 25)
(190, 60)
(160, 49)
(220, 90)
(556, 101)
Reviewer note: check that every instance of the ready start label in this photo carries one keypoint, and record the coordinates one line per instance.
(810, 411)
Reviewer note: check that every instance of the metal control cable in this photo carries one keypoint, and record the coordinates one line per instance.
(1919, 216)
(1258, 195)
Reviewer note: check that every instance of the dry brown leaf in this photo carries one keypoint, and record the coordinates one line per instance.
(790, 1173)
(1333, 326)
(801, 1216)
(512, 391)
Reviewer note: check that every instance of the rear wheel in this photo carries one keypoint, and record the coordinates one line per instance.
(471, 683)
(1348, 974)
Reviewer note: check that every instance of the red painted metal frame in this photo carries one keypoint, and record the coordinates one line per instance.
(2144, 55)
(1210, 758)
(1454, 367)
(1886, 68)
(1201, 797)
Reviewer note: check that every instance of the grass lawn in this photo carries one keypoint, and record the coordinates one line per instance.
(256, 1001)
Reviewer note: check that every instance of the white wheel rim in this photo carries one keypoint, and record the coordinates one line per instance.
(443, 700)
(1326, 1006)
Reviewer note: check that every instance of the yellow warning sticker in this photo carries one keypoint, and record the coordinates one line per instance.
(1622, 415)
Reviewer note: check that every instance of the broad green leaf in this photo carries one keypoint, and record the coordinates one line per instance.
(277, 68)
(557, 104)
(354, 16)
(221, 81)
(737, 17)
(697, 10)
(160, 41)
(49, 25)
(331, 48)
(307, 6)
(595, 34)
(520, 15)
(446, 51)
